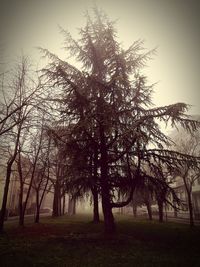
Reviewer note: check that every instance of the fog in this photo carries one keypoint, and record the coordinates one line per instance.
(171, 26)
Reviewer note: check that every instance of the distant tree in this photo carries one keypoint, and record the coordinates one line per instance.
(161, 195)
(11, 100)
(84, 170)
(146, 194)
(25, 96)
(81, 166)
(33, 167)
(136, 202)
(109, 102)
(58, 161)
(188, 144)
(42, 173)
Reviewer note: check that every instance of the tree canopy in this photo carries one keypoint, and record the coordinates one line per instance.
(112, 131)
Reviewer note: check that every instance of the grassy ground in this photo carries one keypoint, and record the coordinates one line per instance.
(75, 241)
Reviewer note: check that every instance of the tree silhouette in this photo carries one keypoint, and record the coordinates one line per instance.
(15, 117)
(189, 144)
(106, 105)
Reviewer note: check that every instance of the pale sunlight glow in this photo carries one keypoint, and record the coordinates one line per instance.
(172, 26)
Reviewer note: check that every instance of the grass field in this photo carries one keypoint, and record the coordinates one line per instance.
(75, 241)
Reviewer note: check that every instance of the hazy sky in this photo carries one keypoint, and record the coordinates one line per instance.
(172, 25)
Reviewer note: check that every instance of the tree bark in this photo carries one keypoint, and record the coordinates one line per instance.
(39, 199)
(190, 206)
(37, 215)
(94, 188)
(109, 224)
(160, 211)
(149, 210)
(7, 182)
(5, 196)
(95, 205)
(63, 204)
(56, 201)
(135, 210)
(188, 189)
(72, 205)
(21, 206)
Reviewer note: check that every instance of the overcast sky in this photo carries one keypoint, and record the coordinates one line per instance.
(171, 25)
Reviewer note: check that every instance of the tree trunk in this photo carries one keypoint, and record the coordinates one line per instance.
(72, 205)
(41, 198)
(5, 196)
(56, 203)
(188, 188)
(21, 214)
(21, 221)
(95, 205)
(57, 200)
(134, 209)
(69, 205)
(21, 217)
(59, 203)
(160, 211)
(109, 223)
(63, 205)
(37, 215)
(175, 211)
(190, 206)
(149, 210)
(94, 189)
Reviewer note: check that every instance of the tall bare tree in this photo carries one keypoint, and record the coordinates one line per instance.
(16, 110)
(189, 144)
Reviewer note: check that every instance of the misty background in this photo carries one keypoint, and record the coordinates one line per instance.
(171, 26)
